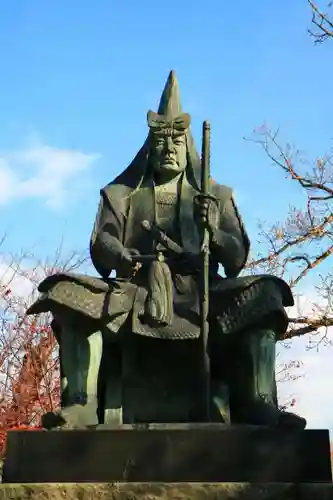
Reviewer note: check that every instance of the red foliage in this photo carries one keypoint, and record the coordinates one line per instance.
(29, 366)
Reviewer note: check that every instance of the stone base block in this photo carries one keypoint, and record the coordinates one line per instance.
(168, 453)
(171, 491)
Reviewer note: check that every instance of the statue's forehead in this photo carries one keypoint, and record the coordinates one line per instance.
(168, 132)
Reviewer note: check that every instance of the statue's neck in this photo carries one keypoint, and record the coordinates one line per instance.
(167, 178)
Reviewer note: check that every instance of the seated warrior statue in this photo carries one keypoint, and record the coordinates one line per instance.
(141, 329)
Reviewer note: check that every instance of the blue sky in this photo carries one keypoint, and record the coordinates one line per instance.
(78, 78)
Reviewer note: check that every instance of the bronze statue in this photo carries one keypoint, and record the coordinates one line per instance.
(132, 347)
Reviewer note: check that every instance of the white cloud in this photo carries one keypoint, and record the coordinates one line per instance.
(42, 171)
(313, 392)
(20, 278)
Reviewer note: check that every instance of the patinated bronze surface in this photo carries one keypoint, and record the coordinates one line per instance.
(131, 348)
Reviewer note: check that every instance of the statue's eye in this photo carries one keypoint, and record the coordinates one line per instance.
(178, 143)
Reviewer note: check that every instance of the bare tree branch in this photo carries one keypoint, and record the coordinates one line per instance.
(304, 241)
(323, 23)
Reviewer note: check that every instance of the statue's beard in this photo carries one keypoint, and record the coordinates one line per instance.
(170, 164)
(167, 171)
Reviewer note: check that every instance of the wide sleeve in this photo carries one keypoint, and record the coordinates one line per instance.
(106, 245)
(230, 244)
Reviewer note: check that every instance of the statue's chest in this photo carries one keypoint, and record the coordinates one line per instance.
(167, 209)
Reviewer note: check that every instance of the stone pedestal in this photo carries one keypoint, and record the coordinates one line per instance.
(206, 453)
(170, 491)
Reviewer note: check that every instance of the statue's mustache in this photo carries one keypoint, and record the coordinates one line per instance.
(170, 157)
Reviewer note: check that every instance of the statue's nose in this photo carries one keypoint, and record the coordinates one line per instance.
(169, 146)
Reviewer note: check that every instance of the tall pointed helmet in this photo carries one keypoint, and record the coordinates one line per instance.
(170, 108)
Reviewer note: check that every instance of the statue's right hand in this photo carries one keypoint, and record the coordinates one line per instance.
(128, 259)
(128, 254)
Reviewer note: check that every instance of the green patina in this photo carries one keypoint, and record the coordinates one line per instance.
(131, 347)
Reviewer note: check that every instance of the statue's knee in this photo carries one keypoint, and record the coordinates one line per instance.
(56, 329)
(59, 322)
(71, 325)
(263, 335)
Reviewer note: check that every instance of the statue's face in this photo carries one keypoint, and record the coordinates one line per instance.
(169, 153)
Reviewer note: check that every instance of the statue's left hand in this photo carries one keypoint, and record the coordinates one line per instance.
(206, 211)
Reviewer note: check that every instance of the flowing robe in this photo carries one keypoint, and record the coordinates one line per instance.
(237, 303)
